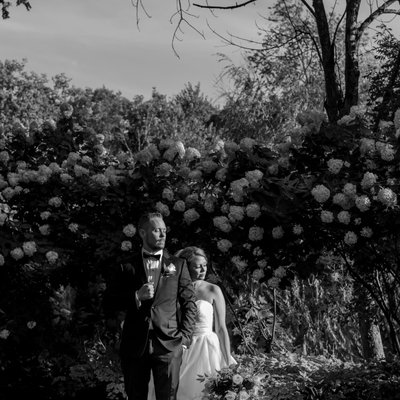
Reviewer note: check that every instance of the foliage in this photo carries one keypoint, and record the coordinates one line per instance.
(292, 377)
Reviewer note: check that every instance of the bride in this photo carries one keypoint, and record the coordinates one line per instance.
(210, 347)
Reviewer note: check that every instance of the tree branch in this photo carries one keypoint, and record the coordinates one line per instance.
(383, 9)
(224, 7)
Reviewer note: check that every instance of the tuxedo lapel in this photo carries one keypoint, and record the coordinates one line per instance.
(158, 286)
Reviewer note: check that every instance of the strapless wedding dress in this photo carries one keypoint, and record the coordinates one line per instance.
(204, 355)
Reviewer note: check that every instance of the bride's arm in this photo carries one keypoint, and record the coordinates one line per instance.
(219, 322)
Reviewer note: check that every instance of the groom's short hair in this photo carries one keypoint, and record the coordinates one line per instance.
(147, 216)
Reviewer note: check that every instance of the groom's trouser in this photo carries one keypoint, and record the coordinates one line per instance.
(165, 366)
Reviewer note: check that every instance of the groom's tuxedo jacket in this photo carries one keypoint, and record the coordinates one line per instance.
(170, 313)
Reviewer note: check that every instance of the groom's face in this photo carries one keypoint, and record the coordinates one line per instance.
(154, 234)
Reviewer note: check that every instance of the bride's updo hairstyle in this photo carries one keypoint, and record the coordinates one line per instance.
(188, 253)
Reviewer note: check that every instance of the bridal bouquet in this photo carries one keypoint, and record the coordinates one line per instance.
(237, 382)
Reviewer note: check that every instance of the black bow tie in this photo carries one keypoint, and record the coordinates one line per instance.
(153, 256)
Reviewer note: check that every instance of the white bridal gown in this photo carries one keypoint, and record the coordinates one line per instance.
(204, 356)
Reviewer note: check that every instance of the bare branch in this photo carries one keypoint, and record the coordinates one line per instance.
(224, 7)
(379, 11)
(309, 8)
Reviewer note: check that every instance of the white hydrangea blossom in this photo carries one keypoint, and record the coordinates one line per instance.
(366, 232)
(238, 187)
(208, 166)
(369, 179)
(191, 215)
(179, 206)
(209, 204)
(13, 179)
(55, 168)
(144, 156)
(17, 253)
(363, 203)
(387, 197)
(247, 144)
(224, 245)
(52, 256)
(29, 248)
(280, 272)
(344, 217)
(326, 216)
(396, 119)
(350, 238)
(357, 221)
(191, 199)
(101, 180)
(341, 200)
(162, 208)
(277, 232)
(253, 210)
(256, 233)
(55, 202)
(387, 152)
(262, 263)
(221, 174)
(4, 157)
(258, 274)
(254, 177)
(239, 263)
(350, 190)
(8, 193)
(73, 227)
(66, 178)
(321, 193)
(257, 251)
(335, 165)
(44, 229)
(31, 324)
(297, 229)
(195, 175)
(367, 146)
(129, 230)
(73, 157)
(231, 148)
(273, 282)
(80, 171)
(126, 245)
(167, 194)
(222, 223)
(192, 154)
(236, 213)
(4, 334)
(164, 169)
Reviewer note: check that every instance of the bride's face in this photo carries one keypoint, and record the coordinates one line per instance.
(198, 268)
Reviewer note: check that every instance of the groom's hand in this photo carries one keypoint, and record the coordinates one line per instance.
(146, 292)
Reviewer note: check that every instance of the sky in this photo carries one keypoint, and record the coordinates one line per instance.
(98, 43)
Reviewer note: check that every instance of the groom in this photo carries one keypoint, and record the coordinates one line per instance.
(161, 312)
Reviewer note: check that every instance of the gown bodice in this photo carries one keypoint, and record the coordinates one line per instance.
(204, 318)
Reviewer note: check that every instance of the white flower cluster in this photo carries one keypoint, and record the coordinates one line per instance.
(3, 218)
(29, 248)
(44, 229)
(321, 193)
(254, 177)
(350, 190)
(179, 206)
(367, 146)
(17, 253)
(126, 245)
(256, 233)
(192, 154)
(350, 238)
(326, 216)
(258, 274)
(247, 144)
(55, 202)
(191, 199)
(369, 179)
(238, 187)
(231, 148)
(335, 165)
(239, 263)
(342, 200)
(236, 213)
(209, 204)
(298, 229)
(363, 203)
(221, 174)
(344, 217)
(129, 230)
(366, 232)
(195, 175)
(222, 223)
(175, 149)
(224, 245)
(278, 232)
(386, 151)
(162, 208)
(191, 215)
(387, 197)
(253, 210)
(208, 166)
(73, 227)
(52, 256)
(167, 194)
(164, 169)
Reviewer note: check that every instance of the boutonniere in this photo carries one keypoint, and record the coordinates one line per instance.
(169, 270)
